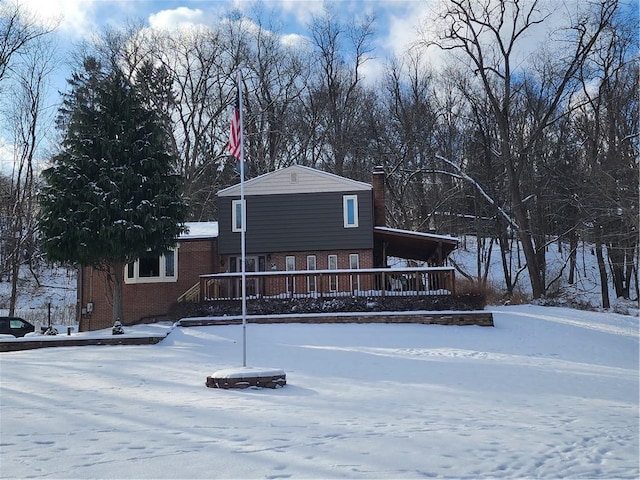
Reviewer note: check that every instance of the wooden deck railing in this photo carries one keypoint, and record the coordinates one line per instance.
(191, 295)
(375, 282)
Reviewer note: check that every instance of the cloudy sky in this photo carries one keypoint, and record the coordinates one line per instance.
(396, 23)
(395, 19)
(76, 20)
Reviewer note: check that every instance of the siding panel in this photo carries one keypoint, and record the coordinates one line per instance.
(297, 222)
(307, 180)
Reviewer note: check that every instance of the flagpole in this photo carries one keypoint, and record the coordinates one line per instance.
(243, 248)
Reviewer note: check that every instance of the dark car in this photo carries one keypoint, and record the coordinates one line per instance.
(15, 326)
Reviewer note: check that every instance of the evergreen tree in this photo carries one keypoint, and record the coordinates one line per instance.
(111, 194)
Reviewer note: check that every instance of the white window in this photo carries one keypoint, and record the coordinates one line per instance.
(332, 264)
(350, 210)
(153, 268)
(311, 281)
(290, 265)
(354, 264)
(238, 216)
(170, 264)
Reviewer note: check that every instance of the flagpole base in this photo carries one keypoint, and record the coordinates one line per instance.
(245, 377)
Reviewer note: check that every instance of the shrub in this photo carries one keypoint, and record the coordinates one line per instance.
(462, 301)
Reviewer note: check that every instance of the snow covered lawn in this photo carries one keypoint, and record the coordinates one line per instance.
(546, 393)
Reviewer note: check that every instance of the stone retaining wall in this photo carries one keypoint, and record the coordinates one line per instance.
(479, 318)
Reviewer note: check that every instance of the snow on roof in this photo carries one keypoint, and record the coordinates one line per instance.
(197, 230)
(420, 234)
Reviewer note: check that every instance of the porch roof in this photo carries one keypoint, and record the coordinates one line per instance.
(414, 245)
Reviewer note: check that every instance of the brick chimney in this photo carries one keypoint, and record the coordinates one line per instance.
(379, 209)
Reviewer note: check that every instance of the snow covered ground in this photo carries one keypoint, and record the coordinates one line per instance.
(57, 288)
(546, 393)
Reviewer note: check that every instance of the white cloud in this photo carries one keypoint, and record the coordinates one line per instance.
(293, 40)
(6, 157)
(302, 10)
(177, 18)
(405, 25)
(73, 18)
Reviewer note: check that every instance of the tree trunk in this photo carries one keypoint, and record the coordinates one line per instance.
(615, 254)
(15, 272)
(573, 251)
(628, 271)
(604, 281)
(487, 263)
(526, 239)
(504, 244)
(117, 276)
(480, 245)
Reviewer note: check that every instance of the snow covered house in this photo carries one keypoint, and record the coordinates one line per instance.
(298, 219)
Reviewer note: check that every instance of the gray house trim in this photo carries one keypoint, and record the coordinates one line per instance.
(297, 222)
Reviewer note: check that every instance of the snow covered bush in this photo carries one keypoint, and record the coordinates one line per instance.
(117, 328)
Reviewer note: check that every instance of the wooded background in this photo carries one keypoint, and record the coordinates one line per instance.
(539, 148)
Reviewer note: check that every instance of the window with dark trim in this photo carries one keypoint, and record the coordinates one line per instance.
(238, 215)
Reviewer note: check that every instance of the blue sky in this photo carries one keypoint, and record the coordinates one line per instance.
(395, 26)
(395, 19)
(78, 20)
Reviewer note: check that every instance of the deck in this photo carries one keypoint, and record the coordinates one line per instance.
(374, 282)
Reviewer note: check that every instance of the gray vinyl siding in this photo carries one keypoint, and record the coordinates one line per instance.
(297, 222)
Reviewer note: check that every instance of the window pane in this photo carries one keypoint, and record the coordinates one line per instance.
(354, 264)
(290, 263)
(311, 262)
(311, 281)
(149, 267)
(169, 264)
(350, 207)
(130, 270)
(350, 212)
(332, 264)
(238, 216)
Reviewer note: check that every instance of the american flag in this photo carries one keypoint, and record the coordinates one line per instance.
(235, 138)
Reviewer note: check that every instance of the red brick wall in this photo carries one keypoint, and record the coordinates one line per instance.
(277, 262)
(152, 301)
(366, 259)
(147, 301)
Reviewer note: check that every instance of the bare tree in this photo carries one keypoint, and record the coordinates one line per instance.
(488, 34)
(26, 105)
(607, 125)
(333, 109)
(187, 75)
(276, 75)
(25, 63)
(18, 28)
(410, 120)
